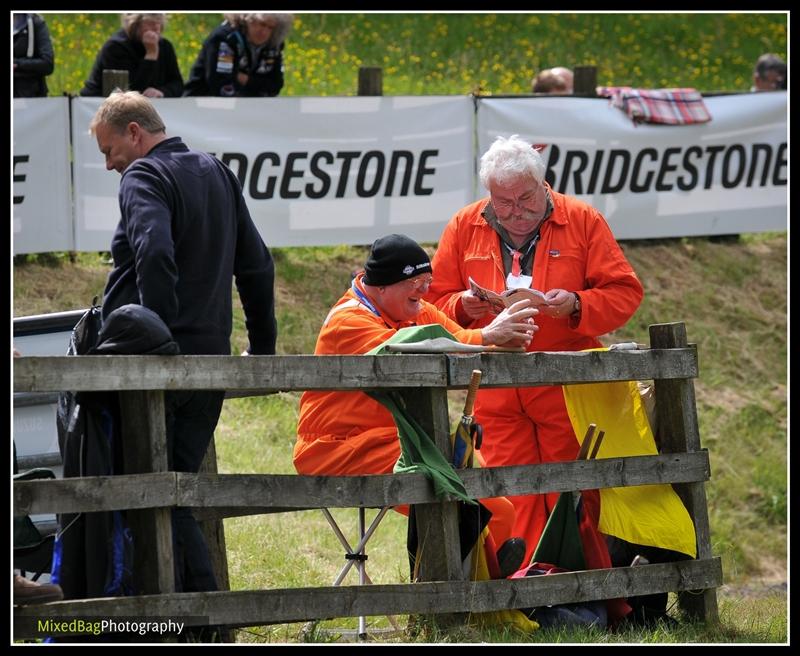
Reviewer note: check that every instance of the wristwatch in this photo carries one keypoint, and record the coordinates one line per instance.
(577, 308)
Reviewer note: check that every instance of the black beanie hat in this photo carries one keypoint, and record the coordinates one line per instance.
(394, 258)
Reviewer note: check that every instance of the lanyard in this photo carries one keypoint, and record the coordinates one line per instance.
(362, 297)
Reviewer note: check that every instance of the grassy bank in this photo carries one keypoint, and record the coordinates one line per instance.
(732, 297)
(430, 54)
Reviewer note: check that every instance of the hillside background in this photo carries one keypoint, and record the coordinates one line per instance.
(429, 54)
(731, 293)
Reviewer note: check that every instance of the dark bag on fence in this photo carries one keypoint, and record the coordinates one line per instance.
(93, 556)
(93, 552)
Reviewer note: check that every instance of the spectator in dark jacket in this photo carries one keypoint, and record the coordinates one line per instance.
(148, 57)
(184, 234)
(33, 56)
(242, 57)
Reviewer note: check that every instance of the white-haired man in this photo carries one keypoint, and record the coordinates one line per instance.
(527, 235)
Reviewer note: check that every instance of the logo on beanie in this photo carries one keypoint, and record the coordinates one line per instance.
(408, 270)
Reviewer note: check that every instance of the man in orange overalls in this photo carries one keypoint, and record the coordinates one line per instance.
(349, 433)
(527, 235)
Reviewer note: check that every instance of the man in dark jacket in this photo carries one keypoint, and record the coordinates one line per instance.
(33, 56)
(242, 57)
(184, 234)
(148, 57)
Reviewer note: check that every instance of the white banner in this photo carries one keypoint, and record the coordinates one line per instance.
(723, 177)
(314, 171)
(319, 171)
(42, 203)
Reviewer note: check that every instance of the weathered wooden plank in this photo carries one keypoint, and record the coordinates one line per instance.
(96, 493)
(301, 372)
(586, 474)
(214, 533)
(301, 492)
(252, 608)
(679, 432)
(562, 368)
(263, 493)
(144, 432)
(437, 523)
(144, 446)
(213, 529)
(217, 372)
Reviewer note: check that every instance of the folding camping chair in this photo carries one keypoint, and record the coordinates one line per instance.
(355, 556)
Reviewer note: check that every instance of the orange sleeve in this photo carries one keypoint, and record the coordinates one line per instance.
(447, 287)
(430, 314)
(614, 291)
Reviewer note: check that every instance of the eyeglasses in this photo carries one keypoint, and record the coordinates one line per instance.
(419, 282)
(526, 202)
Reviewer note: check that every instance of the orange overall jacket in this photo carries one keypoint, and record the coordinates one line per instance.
(349, 433)
(577, 252)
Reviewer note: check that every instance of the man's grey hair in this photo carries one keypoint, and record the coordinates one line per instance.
(123, 107)
(130, 22)
(283, 24)
(510, 160)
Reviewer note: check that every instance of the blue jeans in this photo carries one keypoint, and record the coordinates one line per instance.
(191, 417)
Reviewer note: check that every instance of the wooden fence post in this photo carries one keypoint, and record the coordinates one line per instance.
(437, 523)
(676, 414)
(585, 81)
(144, 441)
(214, 533)
(113, 79)
(370, 81)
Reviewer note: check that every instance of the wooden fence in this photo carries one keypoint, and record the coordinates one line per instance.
(148, 489)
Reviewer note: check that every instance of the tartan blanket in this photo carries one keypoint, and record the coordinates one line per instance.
(664, 106)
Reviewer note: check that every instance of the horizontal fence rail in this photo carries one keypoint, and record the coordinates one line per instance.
(345, 372)
(251, 608)
(245, 493)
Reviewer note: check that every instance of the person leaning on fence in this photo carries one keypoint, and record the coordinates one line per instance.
(148, 57)
(770, 73)
(33, 56)
(184, 234)
(558, 80)
(527, 235)
(350, 433)
(241, 57)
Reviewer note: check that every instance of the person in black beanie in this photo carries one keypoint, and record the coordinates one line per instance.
(394, 258)
(350, 433)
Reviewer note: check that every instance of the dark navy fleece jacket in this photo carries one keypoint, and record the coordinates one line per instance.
(184, 234)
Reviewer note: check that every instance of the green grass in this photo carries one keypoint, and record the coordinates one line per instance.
(430, 54)
(738, 322)
(752, 619)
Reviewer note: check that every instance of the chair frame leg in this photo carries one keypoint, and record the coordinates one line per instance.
(358, 556)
